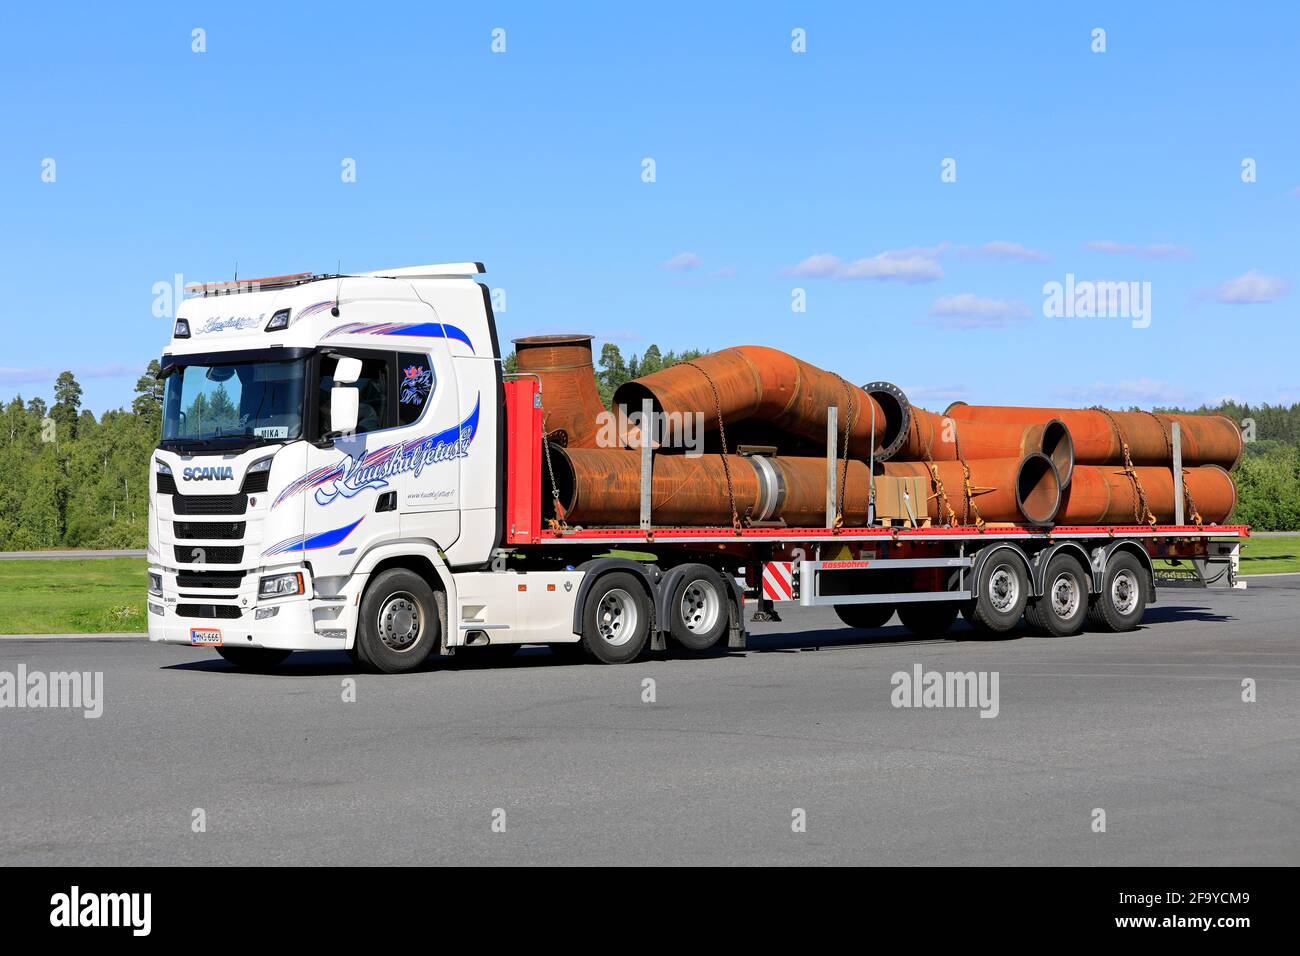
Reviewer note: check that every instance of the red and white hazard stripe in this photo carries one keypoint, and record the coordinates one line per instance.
(778, 580)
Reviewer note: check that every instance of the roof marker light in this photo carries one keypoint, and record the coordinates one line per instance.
(279, 322)
(182, 329)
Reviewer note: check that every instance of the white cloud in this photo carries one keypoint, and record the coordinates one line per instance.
(911, 265)
(1155, 250)
(969, 311)
(1002, 249)
(683, 262)
(1251, 288)
(1138, 391)
(37, 375)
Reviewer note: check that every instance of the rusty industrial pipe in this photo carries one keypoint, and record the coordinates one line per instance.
(1105, 494)
(1206, 439)
(602, 486)
(948, 439)
(571, 403)
(768, 385)
(1001, 489)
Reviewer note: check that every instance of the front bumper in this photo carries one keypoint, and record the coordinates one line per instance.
(300, 623)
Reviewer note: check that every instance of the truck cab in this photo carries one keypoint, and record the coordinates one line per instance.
(317, 431)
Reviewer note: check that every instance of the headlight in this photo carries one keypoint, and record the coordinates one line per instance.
(163, 467)
(155, 583)
(262, 464)
(281, 585)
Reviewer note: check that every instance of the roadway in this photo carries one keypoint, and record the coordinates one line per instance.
(1148, 726)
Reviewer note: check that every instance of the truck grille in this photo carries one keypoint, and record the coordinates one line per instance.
(209, 504)
(255, 483)
(208, 610)
(230, 580)
(210, 530)
(208, 554)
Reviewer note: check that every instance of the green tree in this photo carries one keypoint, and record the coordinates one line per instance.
(67, 403)
(149, 394)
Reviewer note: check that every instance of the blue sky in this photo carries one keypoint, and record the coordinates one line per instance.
(1124, 165)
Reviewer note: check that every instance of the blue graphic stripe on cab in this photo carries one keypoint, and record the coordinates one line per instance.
(373, 469)
(432, 330)
(314, 542)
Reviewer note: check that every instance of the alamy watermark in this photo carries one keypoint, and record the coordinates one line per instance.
(76, 909)
(948, 689)
(1088, 299)
(618, 429)
(72, 690)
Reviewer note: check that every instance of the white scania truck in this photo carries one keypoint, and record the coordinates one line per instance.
(345, 466)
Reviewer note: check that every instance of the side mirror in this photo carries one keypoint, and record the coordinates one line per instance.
(345, 402)
(347, 371)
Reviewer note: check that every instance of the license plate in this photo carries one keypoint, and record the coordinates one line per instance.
(206, 636)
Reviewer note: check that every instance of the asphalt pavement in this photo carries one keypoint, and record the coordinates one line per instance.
(535, 760)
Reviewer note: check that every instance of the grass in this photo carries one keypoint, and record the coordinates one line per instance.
(1270, 555)
(91, 596)
(107, 595)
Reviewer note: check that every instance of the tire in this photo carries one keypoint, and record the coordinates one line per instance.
(256, 659)
(1031, 617)
(1123, 597)
(865, 617)
(698, 609)
(928, 618)
(1063, 606)
(616, 619)
(398, 626)
(1003, 594)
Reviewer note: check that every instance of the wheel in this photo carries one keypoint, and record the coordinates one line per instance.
(698, 608)
(1123, 597)
(865, 617)
(616, 619)
(928, 618)
(1003, 593)
(1061, 609)
(398, 626)
(254, 658)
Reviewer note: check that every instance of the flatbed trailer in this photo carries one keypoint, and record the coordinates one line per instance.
(926, 573)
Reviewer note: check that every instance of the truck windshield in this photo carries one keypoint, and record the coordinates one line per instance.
(234, 405)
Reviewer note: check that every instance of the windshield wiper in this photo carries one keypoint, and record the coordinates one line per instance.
(181, 443)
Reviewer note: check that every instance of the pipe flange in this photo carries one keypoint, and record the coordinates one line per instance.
(903, 416)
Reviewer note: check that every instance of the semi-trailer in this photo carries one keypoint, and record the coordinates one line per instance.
(345, 465)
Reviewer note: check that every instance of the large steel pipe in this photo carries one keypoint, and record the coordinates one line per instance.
(602, 486)
(571, 403)
(1105, 494)
(1206, 439)
(754, 382)
(948, 439)
(1001, 489)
